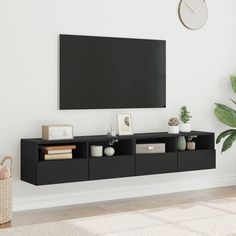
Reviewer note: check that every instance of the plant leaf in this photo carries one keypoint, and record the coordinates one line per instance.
(226, 115)
(229, 142)
(224, 134)
(233, 82)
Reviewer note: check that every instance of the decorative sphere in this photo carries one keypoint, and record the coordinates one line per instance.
(109, 151)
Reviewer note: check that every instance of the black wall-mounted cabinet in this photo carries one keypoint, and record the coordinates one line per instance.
(124, 163)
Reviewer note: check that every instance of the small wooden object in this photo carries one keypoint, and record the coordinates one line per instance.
(191, 146)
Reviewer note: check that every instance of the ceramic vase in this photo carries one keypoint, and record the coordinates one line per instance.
(181, 144)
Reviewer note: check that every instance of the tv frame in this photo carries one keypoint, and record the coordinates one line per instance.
(109, 108)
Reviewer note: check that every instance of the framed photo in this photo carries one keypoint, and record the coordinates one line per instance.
(124, 124)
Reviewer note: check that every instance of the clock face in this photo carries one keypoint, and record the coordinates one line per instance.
(193, 13)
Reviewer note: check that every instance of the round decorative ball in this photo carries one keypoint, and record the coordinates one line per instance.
(109, 151)
(181, 144)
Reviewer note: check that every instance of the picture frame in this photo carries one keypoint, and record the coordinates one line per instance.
(124, 124)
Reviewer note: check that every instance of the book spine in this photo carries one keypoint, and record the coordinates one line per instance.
(62, 147)
(58, 156)
(58, 151)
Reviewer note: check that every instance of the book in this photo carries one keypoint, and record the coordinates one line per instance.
(59, 147)
(57, 151)
(58, 156)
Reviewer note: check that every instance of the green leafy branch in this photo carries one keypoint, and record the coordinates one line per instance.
(227, 116)
(184, 114)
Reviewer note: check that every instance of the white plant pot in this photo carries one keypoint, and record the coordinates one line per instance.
(185, 127)
(173, 130)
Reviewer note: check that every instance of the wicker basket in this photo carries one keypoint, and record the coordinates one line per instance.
(6, 196)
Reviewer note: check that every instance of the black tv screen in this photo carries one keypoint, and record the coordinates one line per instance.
(103, 72)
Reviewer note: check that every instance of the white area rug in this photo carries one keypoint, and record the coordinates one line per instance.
(214, 218)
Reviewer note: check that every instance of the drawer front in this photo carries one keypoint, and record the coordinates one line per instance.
(62, 171)
(196, 160)
(111, 167)
(147, 164)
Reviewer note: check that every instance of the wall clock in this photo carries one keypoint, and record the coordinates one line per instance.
(193, 13)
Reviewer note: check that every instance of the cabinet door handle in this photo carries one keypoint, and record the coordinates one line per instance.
(150, 147)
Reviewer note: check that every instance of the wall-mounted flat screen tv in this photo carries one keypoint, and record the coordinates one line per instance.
(105, 72)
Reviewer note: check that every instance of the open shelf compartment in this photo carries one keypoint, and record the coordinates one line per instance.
(170, 142)
(80, 152)
(203, 142)
(121, 147)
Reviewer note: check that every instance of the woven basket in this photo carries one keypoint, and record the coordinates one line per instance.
(6, 196)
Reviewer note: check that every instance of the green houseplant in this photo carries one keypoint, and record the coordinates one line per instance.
(227, 116)
(185, 117)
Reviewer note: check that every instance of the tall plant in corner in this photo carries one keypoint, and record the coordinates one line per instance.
(227, 116)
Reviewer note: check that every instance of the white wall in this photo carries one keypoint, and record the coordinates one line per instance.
(198, 66)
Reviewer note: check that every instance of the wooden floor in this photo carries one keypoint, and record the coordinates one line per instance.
(100, 208)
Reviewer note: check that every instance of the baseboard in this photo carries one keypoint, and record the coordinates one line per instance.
(78, 197)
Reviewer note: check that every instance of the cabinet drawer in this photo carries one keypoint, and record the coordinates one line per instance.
(62, 171)
(196, 160)
(111, 167)
(147, 164)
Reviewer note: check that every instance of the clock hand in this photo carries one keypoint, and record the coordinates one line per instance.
(190, 7)
(196, 10)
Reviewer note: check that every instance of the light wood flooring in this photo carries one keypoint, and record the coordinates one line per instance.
(100, 208)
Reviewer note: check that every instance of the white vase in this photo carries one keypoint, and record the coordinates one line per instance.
(173, 130)
(185, 127)
(96, 151)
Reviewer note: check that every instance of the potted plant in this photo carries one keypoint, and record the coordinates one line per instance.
(173, 124)
(227, 116)
(185, 117)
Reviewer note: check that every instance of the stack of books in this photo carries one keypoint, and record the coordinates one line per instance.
(58, 152)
